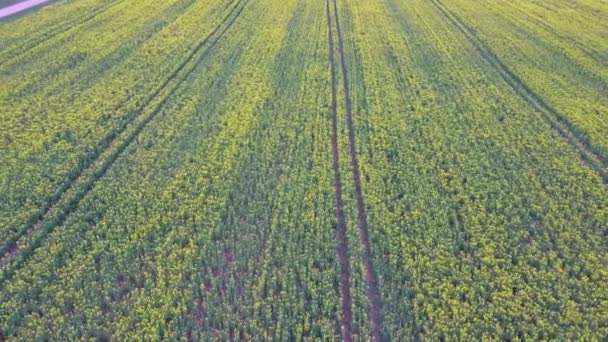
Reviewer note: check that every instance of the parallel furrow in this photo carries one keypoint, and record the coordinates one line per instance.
(342, 241)
(373, 296)
(112, 146)
(590, 155)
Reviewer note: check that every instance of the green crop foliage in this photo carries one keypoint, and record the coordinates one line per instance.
(167, 170)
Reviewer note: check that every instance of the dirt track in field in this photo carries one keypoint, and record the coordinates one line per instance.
(342, 241)
(373, 296)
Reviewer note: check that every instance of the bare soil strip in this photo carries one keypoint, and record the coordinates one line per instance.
(342, 247)
(373, 296)
(94, 166)
(589, 155)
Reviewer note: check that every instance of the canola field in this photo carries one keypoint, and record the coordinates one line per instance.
(385, 170)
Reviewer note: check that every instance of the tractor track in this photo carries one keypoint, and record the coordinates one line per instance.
(373, 295)
(53, 32)
(95, 166)
(593, 158)
(342, 240)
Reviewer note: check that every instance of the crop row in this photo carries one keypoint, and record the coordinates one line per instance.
(189, 170)
(106, 153)
(484, 222)
(590, 154)
(239, 158)
(562, 60)
(52, 133)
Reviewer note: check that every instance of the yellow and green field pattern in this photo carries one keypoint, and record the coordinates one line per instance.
(386, 170)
